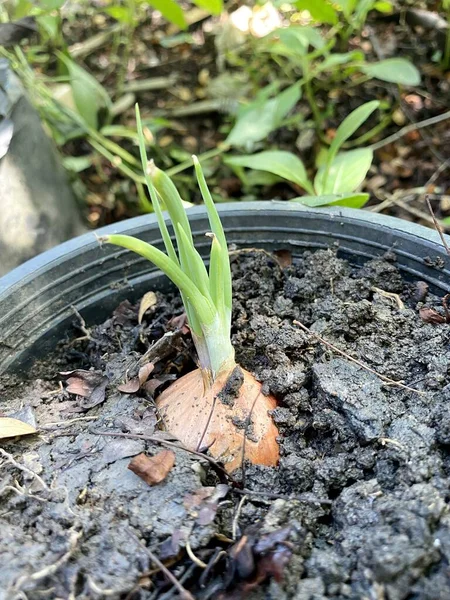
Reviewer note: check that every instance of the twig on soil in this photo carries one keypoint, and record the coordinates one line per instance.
(395, 297)
(19, 491)
(93, 43)
(53, 568)
(11, 459)
(192, 556)
(436, 225)
(157, 440)
(257, 250)
(66, 423)
(387, 380)
(152, 84)
(408, 128)
(272, 496)
(104, 591)
(237, 515)
(184, 594)
(83, 327)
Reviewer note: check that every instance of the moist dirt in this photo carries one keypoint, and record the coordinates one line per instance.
(357, 508)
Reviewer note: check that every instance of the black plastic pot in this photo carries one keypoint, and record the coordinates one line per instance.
(37, 298)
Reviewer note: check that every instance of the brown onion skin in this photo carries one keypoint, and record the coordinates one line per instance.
(185, 408)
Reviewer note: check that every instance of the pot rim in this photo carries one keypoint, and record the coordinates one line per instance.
(134, 225)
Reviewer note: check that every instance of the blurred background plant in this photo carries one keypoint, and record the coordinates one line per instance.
(313, 101)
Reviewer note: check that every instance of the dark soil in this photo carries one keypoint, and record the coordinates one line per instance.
(358, 507)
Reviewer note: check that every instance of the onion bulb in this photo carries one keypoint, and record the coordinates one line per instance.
(230, 417)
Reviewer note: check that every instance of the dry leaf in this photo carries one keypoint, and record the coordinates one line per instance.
(13, 427)
(148, 301)
(151, 386)
(134, 385)
(130, 387)
(88, 384)
(153, 469)
(284, 258)
(429, 315)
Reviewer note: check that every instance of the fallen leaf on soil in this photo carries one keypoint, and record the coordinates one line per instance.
(284, 258)
(203, 503)
(135, 384)
(125, 313)
(88, 384)
(429, 315)
(130, 387)
(148, 301)
(179, 323)
(13, 427)
(151, 386)
(153, 469)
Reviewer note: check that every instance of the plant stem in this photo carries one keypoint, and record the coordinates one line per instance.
(201, 157)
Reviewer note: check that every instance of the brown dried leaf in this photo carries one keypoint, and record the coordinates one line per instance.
(153, 469)
(82, 382)
(144, 373)
(10, 427)
(134, 385)
(284, 258)
(125, 313)
(203, 503)
(429, 315)
(151, 386)
(130, 387)
(148, 301)
(179, 323)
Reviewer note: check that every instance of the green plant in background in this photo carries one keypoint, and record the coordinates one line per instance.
(352, 13)
(339, 173)
(127, 11)
(445, 60)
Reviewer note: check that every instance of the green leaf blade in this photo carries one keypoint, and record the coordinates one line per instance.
(279, 162)
(347, 200)
(346, 173)
(203, 307)
(394, 70)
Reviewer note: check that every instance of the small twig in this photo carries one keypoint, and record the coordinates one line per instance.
(387, 380)
(408, 128)
(93, 43)
(156, 440)
(67, 423)
(194, 558)
(442, 167)
(272, 496)
(162, 567)
(83, 327)
(395, 297)
(152, 84)
(237, 515)
(258, 251)
(10, 459)
(211, 412)
(437, 226)
(414, 211)
(54, 567)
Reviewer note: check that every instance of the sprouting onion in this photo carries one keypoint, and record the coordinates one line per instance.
(207, 407)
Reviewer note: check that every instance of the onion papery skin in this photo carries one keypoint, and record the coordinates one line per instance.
(186, 406)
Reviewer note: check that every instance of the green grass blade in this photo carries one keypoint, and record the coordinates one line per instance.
(194, 263)
(172, 200)
(151, 188)
(203, 306)
(216, 277)
(217, 229)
